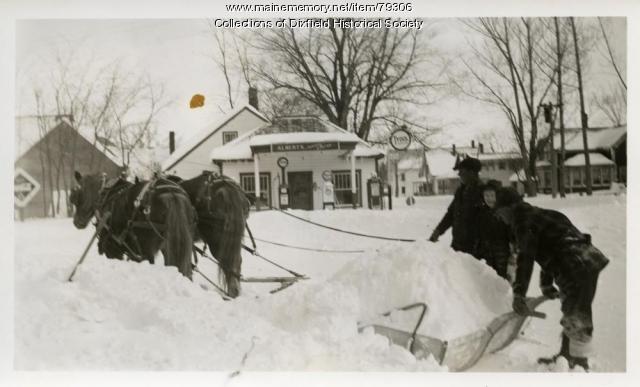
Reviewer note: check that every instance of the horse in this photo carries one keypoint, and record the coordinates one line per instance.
(141, 218)
(222, 209)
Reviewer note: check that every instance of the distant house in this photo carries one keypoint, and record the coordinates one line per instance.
(607, 155)
(192, 157)
(408, 174)
(430, 172)
(48, 151)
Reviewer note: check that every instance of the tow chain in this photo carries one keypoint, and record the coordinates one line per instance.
(343, 231)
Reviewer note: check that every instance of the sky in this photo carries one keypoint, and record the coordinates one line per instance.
(179, 54)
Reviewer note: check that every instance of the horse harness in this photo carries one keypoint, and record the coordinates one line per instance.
(112, 190)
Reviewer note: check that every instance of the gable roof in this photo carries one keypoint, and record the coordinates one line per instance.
(598, 138)
(594, 159)
(29, 132)
(440, 163)
(204, 134)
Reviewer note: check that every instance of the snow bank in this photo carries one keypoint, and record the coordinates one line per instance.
(127, 316)
(462, 293)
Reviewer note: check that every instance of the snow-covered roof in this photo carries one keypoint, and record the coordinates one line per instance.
(440, 163)
(324, 132)
(594, 159)
(205, 133)
(414, 162)
(499, 156)
(597, 138)
(302, 138)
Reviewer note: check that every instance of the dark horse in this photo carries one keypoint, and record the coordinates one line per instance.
(222, 208)
(142, 218)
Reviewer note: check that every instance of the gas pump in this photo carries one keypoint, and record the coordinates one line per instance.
(283, 196)
(283, 188)
(374, 193)
(328, 194)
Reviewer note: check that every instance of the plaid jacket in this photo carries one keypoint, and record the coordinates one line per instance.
(549, 238)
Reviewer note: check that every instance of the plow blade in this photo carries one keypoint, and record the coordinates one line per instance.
(463, 352)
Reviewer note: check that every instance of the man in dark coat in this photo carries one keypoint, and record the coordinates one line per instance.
(463, 210)
(565, 256)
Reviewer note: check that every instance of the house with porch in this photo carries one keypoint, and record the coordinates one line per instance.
(607, 156)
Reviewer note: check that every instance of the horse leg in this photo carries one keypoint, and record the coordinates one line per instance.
(149, 245)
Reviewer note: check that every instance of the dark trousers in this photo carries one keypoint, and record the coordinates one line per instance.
(577, 285)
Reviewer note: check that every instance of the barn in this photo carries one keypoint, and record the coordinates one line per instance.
(48, 150)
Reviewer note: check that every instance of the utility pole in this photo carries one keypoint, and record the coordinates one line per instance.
(560, 54)
(583, 115)
(549, 114)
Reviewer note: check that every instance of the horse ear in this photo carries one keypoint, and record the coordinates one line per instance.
(78, 177)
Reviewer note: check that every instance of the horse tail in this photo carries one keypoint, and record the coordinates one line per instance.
(233, 205)
(179, 233)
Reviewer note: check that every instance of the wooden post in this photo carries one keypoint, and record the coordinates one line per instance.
(353, 179)
(256, 176)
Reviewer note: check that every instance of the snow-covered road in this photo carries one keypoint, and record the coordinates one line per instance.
(126, 316)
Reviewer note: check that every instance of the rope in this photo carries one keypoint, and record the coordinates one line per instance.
(345, 231)
(309, 248)
(254, 252)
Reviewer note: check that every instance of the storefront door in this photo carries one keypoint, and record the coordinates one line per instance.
(300, 190)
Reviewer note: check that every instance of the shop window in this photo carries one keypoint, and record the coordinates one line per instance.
(403, 190)
(596, 173)
(402, 177)
(577, 177)
(547, 178)
(606, 175)
(502, 165)
(419, 189)
(342, 188)
(247, 182)
(228, 136)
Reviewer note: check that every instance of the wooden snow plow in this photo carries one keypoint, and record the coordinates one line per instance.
(463, 352)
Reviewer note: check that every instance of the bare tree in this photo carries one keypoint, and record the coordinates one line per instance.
(611, 57)
(583, 114)
(352, 76)
(510, 76)
(118, 109)
(613, 104)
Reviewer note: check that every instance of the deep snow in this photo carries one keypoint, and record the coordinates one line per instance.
(126, 316)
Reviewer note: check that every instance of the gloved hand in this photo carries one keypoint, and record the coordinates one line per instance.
(520, 305)
(434, 236)
(550, 291)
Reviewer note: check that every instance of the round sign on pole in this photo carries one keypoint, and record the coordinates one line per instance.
(283, 162)
(400, 139)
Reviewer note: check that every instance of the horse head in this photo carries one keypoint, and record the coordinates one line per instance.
(85, 197)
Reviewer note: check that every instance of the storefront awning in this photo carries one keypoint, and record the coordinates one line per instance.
(302, 141)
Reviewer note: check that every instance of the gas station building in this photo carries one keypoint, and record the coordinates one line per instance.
(301, 162)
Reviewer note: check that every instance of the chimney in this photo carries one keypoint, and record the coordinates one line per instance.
(453, 149)
(172, 141)
(480, 148)
(253, 97)
(473, 144)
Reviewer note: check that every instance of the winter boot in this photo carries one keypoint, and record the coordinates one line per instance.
(564, 351)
